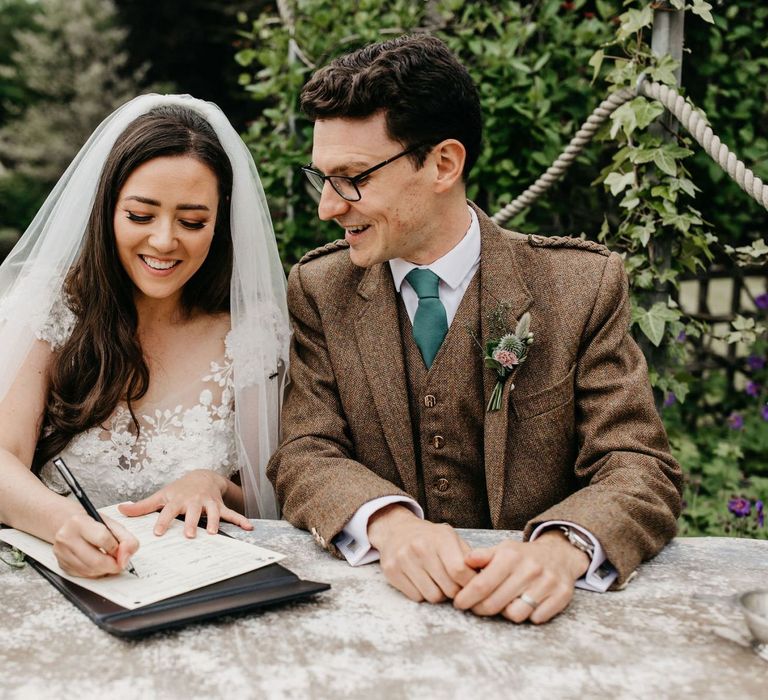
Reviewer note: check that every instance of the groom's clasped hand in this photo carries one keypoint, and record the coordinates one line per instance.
(431, 562)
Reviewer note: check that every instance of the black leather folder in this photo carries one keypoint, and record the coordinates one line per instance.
(254, 590)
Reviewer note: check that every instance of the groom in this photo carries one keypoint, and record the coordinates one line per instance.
(389, 442)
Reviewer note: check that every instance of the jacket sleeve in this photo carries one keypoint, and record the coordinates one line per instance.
(317, 482)
(631, 485)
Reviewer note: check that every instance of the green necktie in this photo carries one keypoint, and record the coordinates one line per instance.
(430, 324)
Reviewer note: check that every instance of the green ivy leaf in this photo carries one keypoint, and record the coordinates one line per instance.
(625, 119)
(618, 182)
(653, 321)
(665, 162)
(596, 62)
(634, 20)
(702, 9)
(646, 111)
(630, 201)
(664, 70)
(642, 232)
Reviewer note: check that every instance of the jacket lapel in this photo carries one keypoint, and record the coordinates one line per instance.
(502, 283)
(377, 329)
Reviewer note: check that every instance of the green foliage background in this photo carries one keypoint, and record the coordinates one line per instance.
(644, 190)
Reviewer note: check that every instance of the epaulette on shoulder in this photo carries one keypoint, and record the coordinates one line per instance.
(324, 250)
(567, 242)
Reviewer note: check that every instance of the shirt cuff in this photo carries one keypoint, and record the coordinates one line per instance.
(353, 541)
(600, 574)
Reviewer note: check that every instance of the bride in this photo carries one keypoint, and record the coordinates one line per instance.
(144, 335)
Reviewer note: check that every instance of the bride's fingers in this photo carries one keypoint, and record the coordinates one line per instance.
(213, 516)
(238, 519)
(192, 518)
(164, 520)
(150, 504)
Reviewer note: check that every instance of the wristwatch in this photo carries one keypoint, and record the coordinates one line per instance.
(578, 540)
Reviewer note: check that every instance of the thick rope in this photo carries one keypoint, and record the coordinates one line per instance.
(694, 122)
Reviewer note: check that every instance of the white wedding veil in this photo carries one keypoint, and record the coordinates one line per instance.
(32, 276)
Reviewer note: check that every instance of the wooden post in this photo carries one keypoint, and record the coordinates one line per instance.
(666, 39)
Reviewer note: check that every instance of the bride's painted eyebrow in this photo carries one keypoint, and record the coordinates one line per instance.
(155, 203)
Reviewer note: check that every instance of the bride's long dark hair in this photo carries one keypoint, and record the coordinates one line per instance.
(102, 362)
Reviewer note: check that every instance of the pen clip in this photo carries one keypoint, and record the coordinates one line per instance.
(59, 463)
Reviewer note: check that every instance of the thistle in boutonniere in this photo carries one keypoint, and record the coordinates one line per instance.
(504, 354)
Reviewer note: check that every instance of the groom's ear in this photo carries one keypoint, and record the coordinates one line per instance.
(448, 157)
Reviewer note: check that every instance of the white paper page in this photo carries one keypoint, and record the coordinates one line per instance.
(167, 565)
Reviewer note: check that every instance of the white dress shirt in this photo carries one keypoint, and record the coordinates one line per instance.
(455, 270)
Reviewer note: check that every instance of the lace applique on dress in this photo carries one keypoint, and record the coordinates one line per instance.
(113, 464)
(59, 324)
(258, 344)
(27, 305)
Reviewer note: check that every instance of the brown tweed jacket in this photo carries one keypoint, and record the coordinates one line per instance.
(577, 439)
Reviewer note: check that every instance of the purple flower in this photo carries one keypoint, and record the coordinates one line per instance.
(670, 399)
(755, 362)
(681, 337)
(759, 513)
(740, 507)
(764, 412)
(736, 421)
(761, 300)
(753, 389)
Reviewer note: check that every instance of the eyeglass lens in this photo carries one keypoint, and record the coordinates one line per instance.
(341, 184)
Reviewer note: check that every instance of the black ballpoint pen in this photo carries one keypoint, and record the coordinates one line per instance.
(82, 497)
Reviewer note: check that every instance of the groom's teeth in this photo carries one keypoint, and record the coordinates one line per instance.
(156, 264)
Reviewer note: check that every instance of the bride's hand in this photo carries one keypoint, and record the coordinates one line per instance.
(84, 547)
(197, 492)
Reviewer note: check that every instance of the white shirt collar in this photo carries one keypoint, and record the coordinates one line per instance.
(454, 266)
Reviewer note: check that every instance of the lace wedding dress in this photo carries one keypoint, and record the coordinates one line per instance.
(192, 429)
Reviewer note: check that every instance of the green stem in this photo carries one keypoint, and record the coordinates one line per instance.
(495, 403)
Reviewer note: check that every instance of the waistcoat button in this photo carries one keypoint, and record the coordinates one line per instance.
(442, 485)
(429, 401)
(438, 441)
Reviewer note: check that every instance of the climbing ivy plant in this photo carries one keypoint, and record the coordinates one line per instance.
(659, 229)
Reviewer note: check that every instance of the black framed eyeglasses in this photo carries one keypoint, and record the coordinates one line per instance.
(346, 186)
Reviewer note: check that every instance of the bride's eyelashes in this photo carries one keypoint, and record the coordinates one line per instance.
(138, 218)
(143, 219)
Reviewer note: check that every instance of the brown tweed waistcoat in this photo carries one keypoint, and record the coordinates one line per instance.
(447, 426)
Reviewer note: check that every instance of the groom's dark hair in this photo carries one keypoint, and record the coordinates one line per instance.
(424, 92)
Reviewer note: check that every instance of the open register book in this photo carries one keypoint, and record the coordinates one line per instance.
(180, 580)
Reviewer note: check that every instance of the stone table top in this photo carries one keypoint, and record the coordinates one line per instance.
(673, 632)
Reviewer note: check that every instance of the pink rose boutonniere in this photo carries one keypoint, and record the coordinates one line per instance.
(504, 354)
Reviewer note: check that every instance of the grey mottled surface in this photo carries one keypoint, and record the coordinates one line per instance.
(666, 635)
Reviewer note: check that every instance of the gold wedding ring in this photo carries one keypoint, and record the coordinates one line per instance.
(528, 600)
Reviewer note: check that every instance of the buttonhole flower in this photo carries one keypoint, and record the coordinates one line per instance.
(764, 412)
(759, 513)
(670, 399)
(504, 354)
(753, 389)
(755, 362)
(761, 301)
